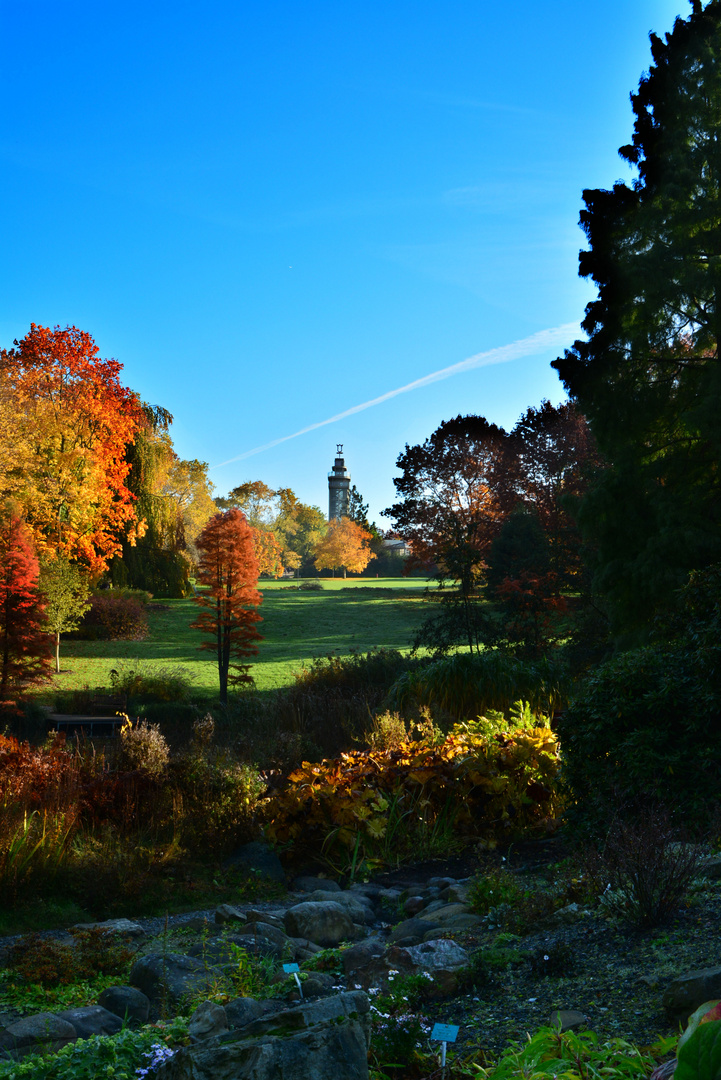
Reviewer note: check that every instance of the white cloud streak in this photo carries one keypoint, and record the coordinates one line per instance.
(545, 339)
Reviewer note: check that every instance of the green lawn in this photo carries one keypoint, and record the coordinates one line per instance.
(356, 614)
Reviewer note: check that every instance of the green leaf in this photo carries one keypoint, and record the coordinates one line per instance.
(700, 1057)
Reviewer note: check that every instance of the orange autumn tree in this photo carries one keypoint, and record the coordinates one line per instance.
(71, 421)
(228, 569)
(345, 546)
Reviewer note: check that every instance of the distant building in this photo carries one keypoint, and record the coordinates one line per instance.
(397, 547)
(338, 487)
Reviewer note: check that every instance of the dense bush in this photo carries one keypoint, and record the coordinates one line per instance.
(419, 798)
(468, 684)
(115, 616)
(372, 673)
(644, 725)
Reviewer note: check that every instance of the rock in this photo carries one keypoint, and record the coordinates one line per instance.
(242, 1011)
(567, 1019)
(367, 889)
(226, 913)
(454, 922)
(259, 858)
(322, 922)
(455, 894)
(315, 884)
(339, 1007)
(267, 931)
(567, 916)
(127, 1002)
(254, 916)
(360, 955)
(413, 905)
(443, 960)
(359, 909)
(441, 882)
(439, 912)
(684, 995)
(43, 1031)
(92, 1020)
(170, 978)
(208, 1019)
(412, 931)
(380, 971)
(318, 983)
(326, 1040)
(302, 949)
(114, 926)
(224, 951)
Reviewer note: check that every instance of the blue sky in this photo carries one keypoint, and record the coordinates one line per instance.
(271, 213)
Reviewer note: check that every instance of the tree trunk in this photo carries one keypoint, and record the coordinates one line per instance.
(57, 652)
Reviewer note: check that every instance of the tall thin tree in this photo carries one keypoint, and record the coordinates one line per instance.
(228, 570)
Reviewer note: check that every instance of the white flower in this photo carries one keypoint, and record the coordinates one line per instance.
(374, 990)
(546, 957)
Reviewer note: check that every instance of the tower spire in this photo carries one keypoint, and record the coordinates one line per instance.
(338, 487)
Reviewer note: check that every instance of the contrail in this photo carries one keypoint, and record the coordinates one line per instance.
(544, 339)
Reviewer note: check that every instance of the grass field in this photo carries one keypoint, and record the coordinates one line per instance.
(355, 614)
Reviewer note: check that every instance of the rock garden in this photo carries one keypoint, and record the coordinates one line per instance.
(333, 981)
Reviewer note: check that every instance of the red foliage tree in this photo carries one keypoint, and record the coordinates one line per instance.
(24, 641)
(228, 569)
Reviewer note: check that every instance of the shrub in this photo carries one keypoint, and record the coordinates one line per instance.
(373, 671)
(647, 871)
(142, 746)
(114, 616)
(467, 684)
(389, 805)
(643, 725)
(574, 1056)
(216, 802)
(48, 962)
(144, 683)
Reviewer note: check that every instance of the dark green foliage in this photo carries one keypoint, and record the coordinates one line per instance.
(644, 724)
(467, 684)
(148, 566)
(648, 377)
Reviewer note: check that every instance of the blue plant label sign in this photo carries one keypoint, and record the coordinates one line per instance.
(290, 969)
(445, 1032)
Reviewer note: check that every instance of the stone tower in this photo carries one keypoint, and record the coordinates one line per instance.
(338, 487)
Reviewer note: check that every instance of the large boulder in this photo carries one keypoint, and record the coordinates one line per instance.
(208, 1019)
(92, 1020)
(684, 995)
(323, 922)
(42, 1032)
(324, 1040)
(127, 1002)
(170, 979)
(357, 905)
(412, 931)
(441, 961)
(244, 1010)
